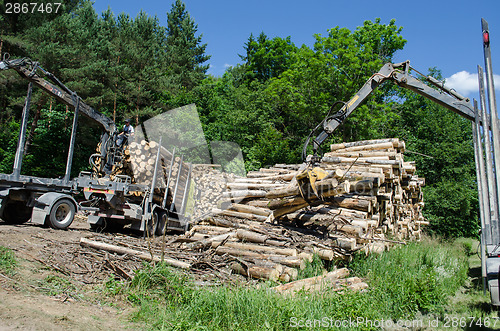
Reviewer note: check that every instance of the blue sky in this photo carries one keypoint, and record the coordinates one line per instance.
(441, 33)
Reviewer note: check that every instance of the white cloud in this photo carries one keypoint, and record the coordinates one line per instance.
(228, 65)
(466, 83)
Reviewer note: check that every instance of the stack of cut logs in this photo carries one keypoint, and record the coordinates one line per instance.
(139, 164)
(364, 196)
(369, 198)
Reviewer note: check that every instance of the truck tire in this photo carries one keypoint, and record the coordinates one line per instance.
(62, 214)
(16, 212)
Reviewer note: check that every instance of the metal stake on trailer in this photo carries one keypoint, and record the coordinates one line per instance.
(490, 236)
(483, 192)
(18, 161)
(491, 100)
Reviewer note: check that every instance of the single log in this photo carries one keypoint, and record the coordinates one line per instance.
(338, 285)
(261, 203)
(353, 203)
(221, 222)
(282, 203)
(347, 228)
(324, 188)
(307, 283)
(324, 254)
(239, 214)
(364, 154)
(266, 176)
(251, 236)
(209, 228)
(285, 202)
(334, 159)
(288, 209)
(291, 261)
(206, 242)
(221, 250)
(255, 271)
(362, 147)
(334, 147)
(244, 194)
(255, 237)
(252, 186)
(123, 250)
(257, 248)
(345, 243)
(283, 192)
(250, 209)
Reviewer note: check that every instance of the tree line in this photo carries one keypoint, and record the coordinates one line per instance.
(136, 68)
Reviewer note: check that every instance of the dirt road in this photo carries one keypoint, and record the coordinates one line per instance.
(56, 285)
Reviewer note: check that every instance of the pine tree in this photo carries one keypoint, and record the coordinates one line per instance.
(185, 53)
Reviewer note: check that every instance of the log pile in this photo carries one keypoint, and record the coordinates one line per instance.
(369, 198)
(397, 209)
(139, 164)
(271, 223)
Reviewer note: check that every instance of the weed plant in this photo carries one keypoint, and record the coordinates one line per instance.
(8, 260)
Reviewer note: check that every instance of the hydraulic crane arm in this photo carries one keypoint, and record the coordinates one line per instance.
(108, 156)
(29, 70)
(399, 74)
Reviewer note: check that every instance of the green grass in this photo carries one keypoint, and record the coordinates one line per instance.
(418, 277)
(406, 283)
(8, 260)
(54, 285)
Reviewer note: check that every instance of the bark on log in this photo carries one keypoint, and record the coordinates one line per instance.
(255, 271)
(250, 209)
(307, 283)
(257, 248)
(237, 214)
(123, 250)
(244, 194)
(257, 238)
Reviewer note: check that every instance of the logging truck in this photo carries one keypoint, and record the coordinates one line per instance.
(487, 162)
(110, 198)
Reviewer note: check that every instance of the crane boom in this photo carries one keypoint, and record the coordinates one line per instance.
(399, 74)
(29, 70)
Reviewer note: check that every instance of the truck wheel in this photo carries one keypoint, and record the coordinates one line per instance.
(62, 214)
(17, 213)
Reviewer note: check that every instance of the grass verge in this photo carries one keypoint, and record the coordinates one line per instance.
(406, 283)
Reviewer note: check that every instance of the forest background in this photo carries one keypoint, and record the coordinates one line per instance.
(136, 68)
